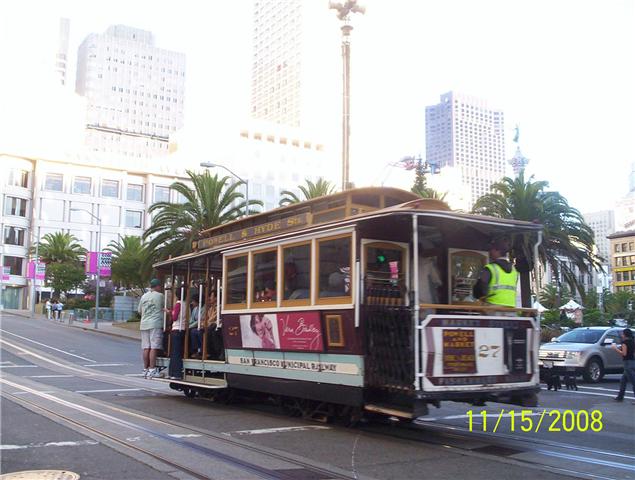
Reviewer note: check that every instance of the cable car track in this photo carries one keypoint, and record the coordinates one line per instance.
(230, 460)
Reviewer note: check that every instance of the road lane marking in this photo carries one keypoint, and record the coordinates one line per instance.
(601, 388)
(598, 394)
(107, 365)
(277, 430)
(17, 366)
(43, 358)
(26, 393)
(108, 390)
(184, 435)
(48, 346)
(49, 376)
(78, 443)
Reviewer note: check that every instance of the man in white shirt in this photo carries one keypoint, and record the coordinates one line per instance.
(151, 310)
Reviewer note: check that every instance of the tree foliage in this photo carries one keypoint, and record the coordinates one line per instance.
(420, 186)
(59, 247)
(212, 201)
(551, 298)
(64, 277)
(131, 262)
(309, 191)
(567, 240)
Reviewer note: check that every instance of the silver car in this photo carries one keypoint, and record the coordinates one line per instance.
(585, 351)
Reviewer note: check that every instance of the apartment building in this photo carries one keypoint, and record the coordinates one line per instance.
(622, 246)
(41, 196)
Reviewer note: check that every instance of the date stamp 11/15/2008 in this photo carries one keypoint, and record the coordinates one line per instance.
(530, 421)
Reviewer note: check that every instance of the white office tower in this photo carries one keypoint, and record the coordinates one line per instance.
(625, 206)
(603, 224)
(134, 91)
(467, 136)
(295, 68)
(61, 57)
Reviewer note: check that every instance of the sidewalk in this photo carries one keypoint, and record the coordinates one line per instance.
(119, 329)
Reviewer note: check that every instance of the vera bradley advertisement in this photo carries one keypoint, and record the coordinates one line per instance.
(296, 331)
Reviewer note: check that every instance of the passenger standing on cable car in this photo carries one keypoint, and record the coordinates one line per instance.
(151, 327)
(196, 334)
(498, 279)
(177, 317)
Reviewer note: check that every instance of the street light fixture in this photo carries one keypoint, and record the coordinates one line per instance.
(213, 165)
(344, 10)
(98, 260)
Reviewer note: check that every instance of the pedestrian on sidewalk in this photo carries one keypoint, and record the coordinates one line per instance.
(627, 350)
(151, 327)
(48, 307)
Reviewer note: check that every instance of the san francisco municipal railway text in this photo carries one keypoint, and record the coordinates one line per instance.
(535, 421)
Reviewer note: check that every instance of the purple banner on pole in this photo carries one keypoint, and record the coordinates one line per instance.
(36, 270)
(91, 263)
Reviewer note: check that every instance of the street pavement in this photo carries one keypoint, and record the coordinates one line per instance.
(76, 370)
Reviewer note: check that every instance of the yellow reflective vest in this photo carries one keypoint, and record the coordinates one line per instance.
(502, 286)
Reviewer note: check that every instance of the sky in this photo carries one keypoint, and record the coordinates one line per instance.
(563, 70)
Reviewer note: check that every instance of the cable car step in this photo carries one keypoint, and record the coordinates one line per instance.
(389, 411)
(218, 384)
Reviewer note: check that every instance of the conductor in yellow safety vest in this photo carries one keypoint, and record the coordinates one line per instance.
(498, 279)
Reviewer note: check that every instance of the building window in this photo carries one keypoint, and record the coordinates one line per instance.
(18, 178)
(134, 219)
(14, 235)
(110, 188)
(161, 194)
(15, 206)
(617, 248)
(54, 182)
(82, 185)
(14, 264)
(134, 193)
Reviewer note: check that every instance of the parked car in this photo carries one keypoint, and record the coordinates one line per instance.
(586, 351)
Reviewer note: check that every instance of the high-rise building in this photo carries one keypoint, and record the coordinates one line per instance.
(603, 224)
(134, 91)
(464, 133)
(288, 85)
(61, 57)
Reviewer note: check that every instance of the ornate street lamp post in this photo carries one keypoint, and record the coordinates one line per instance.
(344, 10)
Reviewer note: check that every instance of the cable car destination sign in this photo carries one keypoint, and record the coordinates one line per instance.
(262, 230)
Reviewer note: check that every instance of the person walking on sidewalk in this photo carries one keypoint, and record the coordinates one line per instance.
(627, 350)
(151, 327)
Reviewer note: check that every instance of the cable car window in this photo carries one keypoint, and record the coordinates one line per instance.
(385, 273)
(334, 268)
(236, 284)
(296, 277)
(265, 265)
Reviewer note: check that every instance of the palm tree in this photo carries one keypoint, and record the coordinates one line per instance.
(311, 190)
(131, 261)
(59, 247)
(211, 202)
(567, 241)
(61, 252)
(551, 299)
